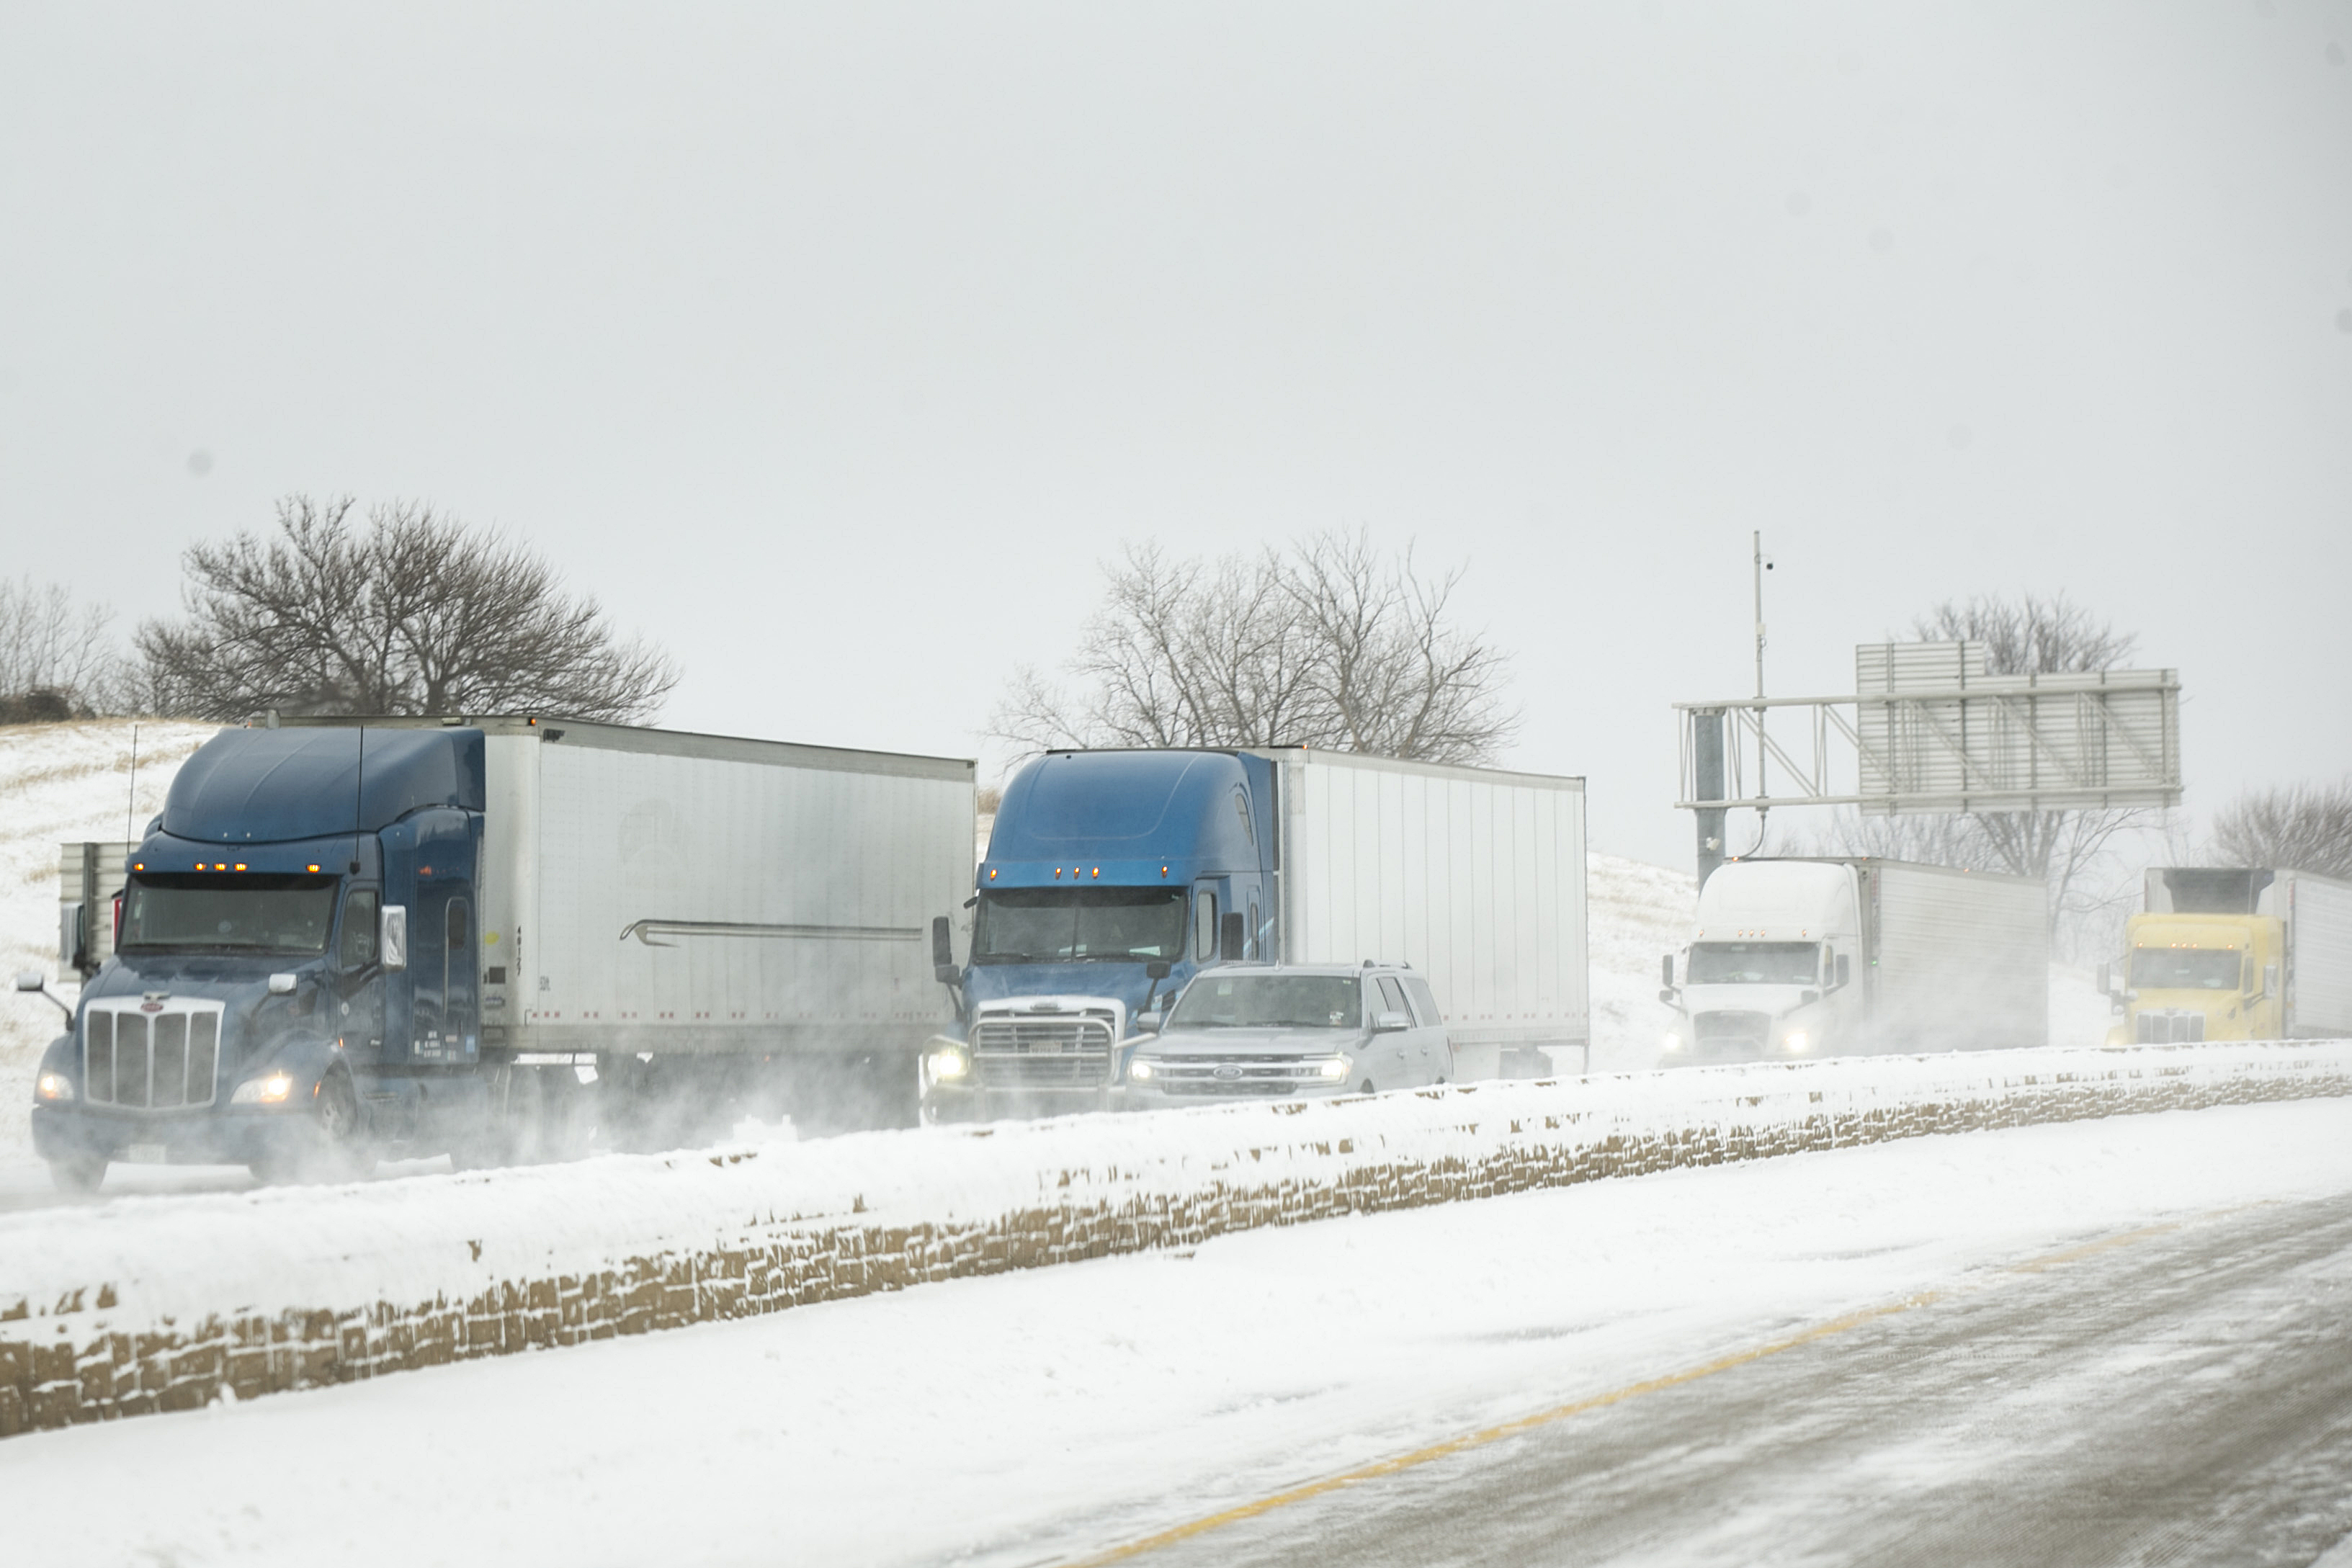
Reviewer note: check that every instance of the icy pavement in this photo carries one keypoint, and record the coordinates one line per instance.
(1039, 1416)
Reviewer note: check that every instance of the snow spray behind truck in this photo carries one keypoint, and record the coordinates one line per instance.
(341, 940)
(1798, 958)
(2235, 953)
(1113, 877)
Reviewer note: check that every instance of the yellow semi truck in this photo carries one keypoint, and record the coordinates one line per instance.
(2234, 953)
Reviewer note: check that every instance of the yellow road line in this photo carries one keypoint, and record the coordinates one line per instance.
(1524, 1424)
(2052, 1259)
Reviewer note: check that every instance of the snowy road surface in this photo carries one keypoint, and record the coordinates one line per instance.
(2180, 1363)
(2180, 1397)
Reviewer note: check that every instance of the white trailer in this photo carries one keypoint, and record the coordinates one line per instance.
(1474, 877)
(714, 920)
(1792, 958)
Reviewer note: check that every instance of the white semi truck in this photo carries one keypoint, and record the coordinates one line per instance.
(1795, 958)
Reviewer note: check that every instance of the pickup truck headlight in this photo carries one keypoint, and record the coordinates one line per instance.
(946, 1061)
(1140, 1069)
(1334, 1067)
(269, 1089)
(53, 1088)
(1796, 1040)
(1670, 1041)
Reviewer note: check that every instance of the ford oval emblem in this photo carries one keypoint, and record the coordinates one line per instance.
(1226, 1073)
(151, 1007)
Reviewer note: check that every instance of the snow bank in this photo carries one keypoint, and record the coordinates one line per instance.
(145, 1305)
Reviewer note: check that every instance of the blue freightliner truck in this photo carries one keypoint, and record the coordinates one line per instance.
(1112, 877)
(343, 940)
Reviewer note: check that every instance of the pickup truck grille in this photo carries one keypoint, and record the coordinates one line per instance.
(141, 1060)
(1069, 1051)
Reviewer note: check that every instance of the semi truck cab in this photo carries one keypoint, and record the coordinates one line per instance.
(1769, 966)
(2206, 959)
(295, 982)
(1110, 879)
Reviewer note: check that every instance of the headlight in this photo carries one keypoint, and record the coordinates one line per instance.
(272, 1089)
(53, 1086)
(1140, 1069)
(946, 1063)
(1335, 1068)
(1670, 1041)
(1796, 1040)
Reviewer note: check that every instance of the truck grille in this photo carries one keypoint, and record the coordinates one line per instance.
(141, 1060)
(2167, 1028)
(1069, 1051)
(1731, 1033)
(1206, 1076)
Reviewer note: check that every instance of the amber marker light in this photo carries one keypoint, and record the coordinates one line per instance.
(1098, 871)
(240, 865)
(312, 867)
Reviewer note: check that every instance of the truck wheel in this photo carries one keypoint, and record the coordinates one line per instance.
(77, 1173)
(351, 1154)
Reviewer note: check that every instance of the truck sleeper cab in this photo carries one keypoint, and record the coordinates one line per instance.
(1111, 879)
(264, 1005)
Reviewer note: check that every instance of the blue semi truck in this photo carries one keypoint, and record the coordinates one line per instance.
(343, 940)
(1112, 877)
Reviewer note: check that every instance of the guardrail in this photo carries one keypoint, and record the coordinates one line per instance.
(164, 1303)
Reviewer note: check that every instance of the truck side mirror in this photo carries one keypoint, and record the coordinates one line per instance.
(33, 981)
(1666, 971)
(2270, 980)
(1844, 969)
(2107, 979)
(1156, 969)
(1235, 935)
(392, 949)
(943, 963)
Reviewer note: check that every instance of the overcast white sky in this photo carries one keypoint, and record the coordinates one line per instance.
(835, 346)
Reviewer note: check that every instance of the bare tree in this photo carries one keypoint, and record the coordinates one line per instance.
(2068, 850)
(2305, 828)
(414, 614)
(57, 661)
(1327, 643)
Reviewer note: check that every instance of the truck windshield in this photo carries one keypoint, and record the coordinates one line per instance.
(1756, 964)
(2185, 969)
(258, 913)
(1270, 1001)
(1056, 924)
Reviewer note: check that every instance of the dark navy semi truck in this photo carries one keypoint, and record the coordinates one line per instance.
(1112, 877)
(343, 940)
